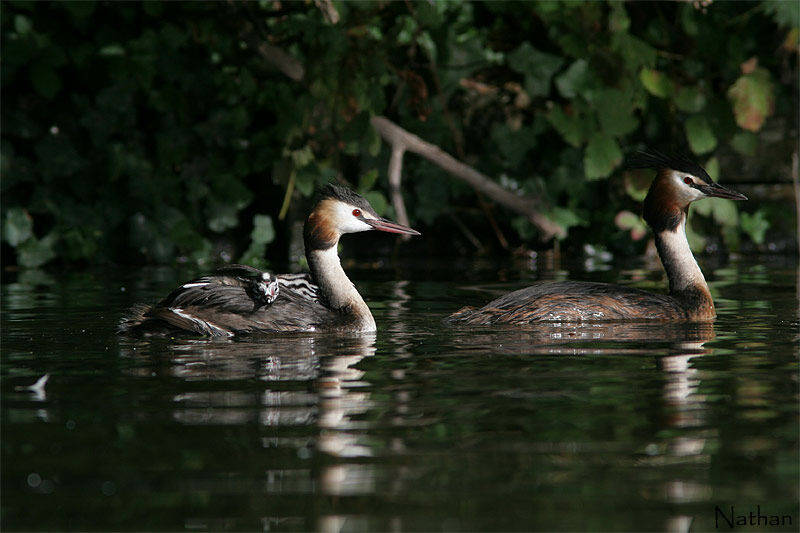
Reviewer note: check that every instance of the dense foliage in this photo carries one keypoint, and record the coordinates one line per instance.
(191, 130)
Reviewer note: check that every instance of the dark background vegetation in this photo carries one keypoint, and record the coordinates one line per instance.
(197, 131)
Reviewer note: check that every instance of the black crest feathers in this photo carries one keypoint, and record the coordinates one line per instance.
(658, 161)
(343, 194)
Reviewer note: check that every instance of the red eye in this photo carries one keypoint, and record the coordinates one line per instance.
(356, 212)
(688, 181)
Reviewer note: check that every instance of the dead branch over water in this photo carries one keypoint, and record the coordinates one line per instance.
(402, 140)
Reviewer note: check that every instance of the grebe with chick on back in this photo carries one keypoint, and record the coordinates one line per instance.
(678, 182)
(239, 299)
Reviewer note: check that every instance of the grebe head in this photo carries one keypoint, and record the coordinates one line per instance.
(264, 289)
(338, 211)
(678, 182)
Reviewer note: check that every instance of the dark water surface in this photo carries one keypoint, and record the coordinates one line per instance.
(420, 427)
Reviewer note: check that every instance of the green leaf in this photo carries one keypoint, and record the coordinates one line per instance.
(700, 135)
(112, 50)
(785, 13)
(524, 228)
(301, 157)
(202, 252)
(537, 67)
(601, 157)
(745, 142)
(637, 184)
(80, 242)
(17, 226)
(408, 29)
(545, 7)
(565, 218)
(688, 16)
(378, 201)
(657, 83)
(712, 168)
(755, 225)
(635, 52)
(263, 233)
(372, 140)
(22, 24)
(690, 99)
(425, 42)
(181, 232)
(513, 145)
(618, 20)
(36, 252)
(753, 99)
(367, 180)
(44, 79)
(576, 80)
(431, 193)
(628, 221)
(305, 180)
(572, 127)
(263, 229)
(615, 112)
(221, 215)
(724, 212)
(696, 241)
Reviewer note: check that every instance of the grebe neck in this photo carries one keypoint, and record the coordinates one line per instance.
(686, 280)
(337, 290)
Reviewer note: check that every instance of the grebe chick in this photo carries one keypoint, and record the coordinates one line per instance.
(677, 184)
(239, 299)
(223, 290)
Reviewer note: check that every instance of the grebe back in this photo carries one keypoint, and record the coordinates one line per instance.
(239, 299)
(678, 183)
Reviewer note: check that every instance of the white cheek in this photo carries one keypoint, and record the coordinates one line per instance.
(696, 195)
(685, 192)
(347, 222)
(354, 226)
(690, 194)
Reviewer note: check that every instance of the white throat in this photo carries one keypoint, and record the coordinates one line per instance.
(679, 262)
(339, 292)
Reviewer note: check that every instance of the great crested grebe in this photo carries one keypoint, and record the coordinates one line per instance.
(677, 184)
(239, 299)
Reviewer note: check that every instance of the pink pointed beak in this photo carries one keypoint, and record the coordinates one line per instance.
(718, 191)
(381, 224)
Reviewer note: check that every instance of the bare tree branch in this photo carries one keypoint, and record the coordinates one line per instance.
(254, 35)
(328, 10)
(398, 137)
(287, 64)
(395, 191)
